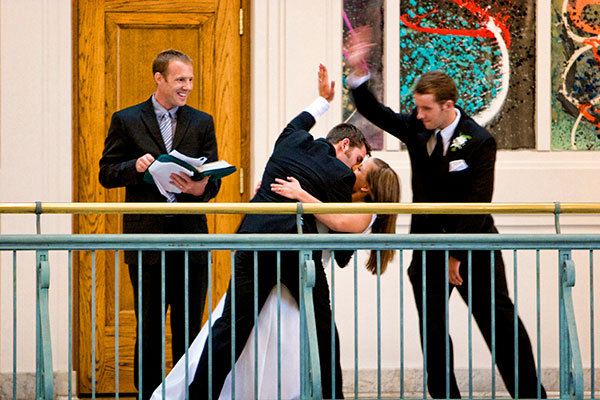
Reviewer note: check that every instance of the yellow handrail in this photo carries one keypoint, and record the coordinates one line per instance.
(307, 208)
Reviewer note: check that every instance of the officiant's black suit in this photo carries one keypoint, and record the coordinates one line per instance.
(314, 164)
(433, 182)
(133, 132)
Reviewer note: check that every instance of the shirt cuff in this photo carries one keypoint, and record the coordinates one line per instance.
(353, 81)
(318, 107)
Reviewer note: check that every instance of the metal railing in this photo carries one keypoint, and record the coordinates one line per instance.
(571, 369)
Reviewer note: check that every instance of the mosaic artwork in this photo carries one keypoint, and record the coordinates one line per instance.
(359, 13)
(575, 74)
(488, 47)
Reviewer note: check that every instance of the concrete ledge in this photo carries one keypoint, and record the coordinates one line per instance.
(26, 385)
(413, 382)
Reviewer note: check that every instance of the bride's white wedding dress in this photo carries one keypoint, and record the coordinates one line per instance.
(244, 367)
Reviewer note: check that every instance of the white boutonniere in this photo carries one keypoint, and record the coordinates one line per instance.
(459, 142)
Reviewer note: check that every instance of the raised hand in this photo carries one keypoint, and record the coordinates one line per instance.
(326, 88)
(357, 48)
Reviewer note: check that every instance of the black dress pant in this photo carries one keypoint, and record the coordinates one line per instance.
(244, 320)
(152, 314)
(481, 309)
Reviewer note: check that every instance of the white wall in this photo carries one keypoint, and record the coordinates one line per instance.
(289, 40)
(35, 161)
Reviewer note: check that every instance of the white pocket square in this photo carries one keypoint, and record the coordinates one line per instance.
(457, 165)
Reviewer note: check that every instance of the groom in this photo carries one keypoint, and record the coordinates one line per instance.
(452, 160)
(324, 169)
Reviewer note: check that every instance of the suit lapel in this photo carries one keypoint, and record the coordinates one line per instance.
(149, 118)
(183, 122)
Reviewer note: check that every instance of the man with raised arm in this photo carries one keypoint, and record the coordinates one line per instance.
(323, 168)
(452, 160)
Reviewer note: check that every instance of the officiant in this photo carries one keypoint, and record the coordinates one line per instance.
(136, 137)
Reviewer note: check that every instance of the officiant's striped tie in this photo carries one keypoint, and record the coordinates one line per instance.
(166, 130)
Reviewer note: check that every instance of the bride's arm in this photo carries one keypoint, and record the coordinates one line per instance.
(353, 223)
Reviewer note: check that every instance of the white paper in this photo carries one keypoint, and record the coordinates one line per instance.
(161, 172)
(196, 162)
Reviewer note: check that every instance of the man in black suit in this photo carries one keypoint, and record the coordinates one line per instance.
(452, 160)
(137, 135)
(324, 169)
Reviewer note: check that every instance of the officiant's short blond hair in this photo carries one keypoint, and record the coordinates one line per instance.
(162, 60)
(439, 84)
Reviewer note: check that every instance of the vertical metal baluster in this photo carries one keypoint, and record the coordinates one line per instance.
(93, 312)
(304, 362)
(163, 311)
(139, 326)
(401, 263)
(278, 325)
(493, 315)
(447, 317)
(255, 325)
(15, 325)
(538, 323)
(186, 311)
(232, 286)
(424, 322)
(117, 325)
(186, 283)
(470, 324)
(516, 326)
(355, 325)
(70, 358)
(592, 347)
(379, 324)
(333, 391)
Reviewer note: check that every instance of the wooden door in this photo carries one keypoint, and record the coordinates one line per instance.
(114, 44)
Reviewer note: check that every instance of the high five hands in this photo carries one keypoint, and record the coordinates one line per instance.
(357, 46)
(326, 88)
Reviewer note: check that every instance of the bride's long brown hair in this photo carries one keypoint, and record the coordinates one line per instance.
(384, 187)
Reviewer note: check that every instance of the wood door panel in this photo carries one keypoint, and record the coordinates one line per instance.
(181, 6)
(115, 42)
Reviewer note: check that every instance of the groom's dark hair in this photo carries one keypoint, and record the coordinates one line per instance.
(355, 135)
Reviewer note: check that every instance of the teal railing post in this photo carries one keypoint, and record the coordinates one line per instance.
(310, 367)
(557, 217)
(312, 384)
(44, 377)
(571, 370)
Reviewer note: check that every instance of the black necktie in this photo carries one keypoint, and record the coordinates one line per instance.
(438, 151)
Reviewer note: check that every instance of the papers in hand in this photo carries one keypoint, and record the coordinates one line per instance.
(159, 172)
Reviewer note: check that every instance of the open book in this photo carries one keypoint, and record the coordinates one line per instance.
(159, 172)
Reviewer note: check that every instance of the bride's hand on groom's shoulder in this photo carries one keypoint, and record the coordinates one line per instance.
(287, 188)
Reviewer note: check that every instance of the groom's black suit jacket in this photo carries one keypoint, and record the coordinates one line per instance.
(313, 163)
(437, 183)
(133, 132)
